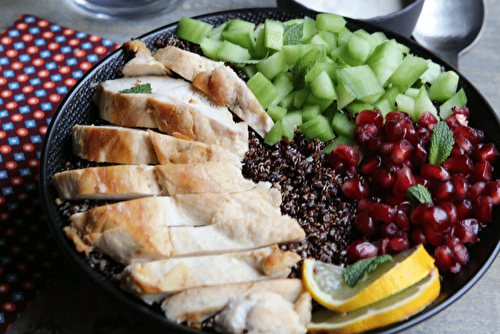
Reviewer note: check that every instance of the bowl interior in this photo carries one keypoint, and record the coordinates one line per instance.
(77, 108)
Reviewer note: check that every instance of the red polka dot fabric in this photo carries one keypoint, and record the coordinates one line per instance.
(39, 63)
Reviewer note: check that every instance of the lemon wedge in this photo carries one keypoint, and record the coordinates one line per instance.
(384, 312)
(325, 283)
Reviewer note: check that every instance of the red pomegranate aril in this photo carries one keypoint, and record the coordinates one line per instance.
(482, 171)
(456, 150)
(404, 180)
(365, 132)
(420, 180)
(451, 210)
(399, 243)
(484, 151)
(402, 221)
(374, 143)
(361, 249)
(442, 191)
(461, 186)
(427, 120)
(383, 246)
(445, 260)
(369, 164)
(356, 188)
(482, 209)
(459, 164)
(365, 224)
(463, 143)
(433, 237)
(434, 172)
(394, 130)
(464, 209)
(467, 230)
(437, 218)
(452, 122)
(476, 190)
(383, 178)
(473, 135)
(397, 116)
(492, 189)
(402, 150)
(460, 252)
(370, 117)
(389, 230)
(383, 212)
(365, 205)
(418, 237)
(385, 148)
(346, 153)
(416, 216)
(420, 155)
(462, 115)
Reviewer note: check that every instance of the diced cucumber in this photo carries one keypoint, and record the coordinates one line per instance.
(192, 30)
(432, 72)
(277, 113)
(458, 100)
(231, 52)
(290, 123)
(357, 106)
(300, 97)
(287, 101)
(330, 39)
(275, 134)
(408, 72)
(423, 104)
(384, 60)
(356, 51)
(330, 68)
(372, 41)
(263, 89)
(319, 128)
(273, 34)
(309, 28)
(250, 70)
(361, 82)
(283, 84)
(322, 87)
(294, 117)
(210, 47)
(310, 111)
(385, 105)
(240, 32)
(444, 86)
(343, 125)
(272, 66)
(344, 95)
(330, 22)
(380, 37)
(406, 104)
(260, 50)
(412, 92)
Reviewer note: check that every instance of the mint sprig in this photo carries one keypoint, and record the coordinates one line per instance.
(418, 194)
(441, 143)
(292, 34)
(355, 272)
(144, 88)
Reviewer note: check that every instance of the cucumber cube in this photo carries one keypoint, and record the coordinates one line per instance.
(275, 134)
(273, 34)
(322, 87)
(263, 89)
(423, 104)
(444, 86)
(343, 125)
(317, 128)
(361, 82)
(310, 111)
(384, 60)
(406, 104)
(330, 22)
(192, 30)
(458, 100)
(240, 32)
(272, 65)
(408, 72)
(233, 53)
(283, 84)
(277, 113)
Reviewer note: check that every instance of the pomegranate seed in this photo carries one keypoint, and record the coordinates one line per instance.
(374, 143)
(420, 180)
(428, 121)
(462, 115)
(361, 249)
(433, 237)
(365, 224)
(451, 210)
(460, 185)
(482, 171)
(434, 172)
(444, 258)
(402, 221)
(452, 122)
(418, 237)
(383, 178)
(424, 136)
(402, 150)
(404, 180)
(365, 205)
(365, 132)
(385, 147)
(383, 247)
(492, 189)
(460, 252)
(389, 229)
(347, 154)
(416, 217)
(420, 155)
(399, 243)
(437, 218)
(476, 190)
(369, 164)
(383, 212)
(464, 209)
(466, 230)
(356, 188)
(442, 191)
(394, 130)
(459, 164)
(370, 117)
(485, 152)
(463, 143)
(482, 209)
(456, 150)
(473, 135)
(397, 116)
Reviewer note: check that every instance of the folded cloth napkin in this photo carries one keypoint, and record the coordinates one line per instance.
(39, 63)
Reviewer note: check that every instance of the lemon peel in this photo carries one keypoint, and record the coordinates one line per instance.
(325, 284)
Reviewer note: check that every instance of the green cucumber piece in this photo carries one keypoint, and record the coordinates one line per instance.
(384, 105)
(343, 125)
(458, 100)
(240, 32)
(356, 51)
(344, 95)
(310, 111)
(300, 97)
(322, 86)
(406, 104)
(423, 104)
(233, 53)
(408, 72)
(317, 128)
(250, 70)
(357, 106)
(444, 86)
(273, 34)
(210, 47)
(275, 134)
(192, 30)
(287, 101)
(272, 66)
(361, 82)
(263, 89)
(384, 60)
(283, 84)
(330, 39)
(276, 113)
(432, 72)
(293, 33)
(330, 22)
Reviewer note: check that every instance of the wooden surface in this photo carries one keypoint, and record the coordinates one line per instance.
(478, 311)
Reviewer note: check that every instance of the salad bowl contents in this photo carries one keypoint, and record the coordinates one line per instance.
(276, 174)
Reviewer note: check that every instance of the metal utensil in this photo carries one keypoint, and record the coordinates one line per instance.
(450, 28)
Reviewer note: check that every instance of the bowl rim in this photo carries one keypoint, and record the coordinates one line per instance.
(134, 303)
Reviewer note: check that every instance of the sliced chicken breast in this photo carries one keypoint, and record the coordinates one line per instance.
(143, 62)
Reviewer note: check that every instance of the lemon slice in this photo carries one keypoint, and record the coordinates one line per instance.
(326, 285)
(384, 312)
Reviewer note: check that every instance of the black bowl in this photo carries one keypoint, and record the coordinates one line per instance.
(402, 22)
(77, 108)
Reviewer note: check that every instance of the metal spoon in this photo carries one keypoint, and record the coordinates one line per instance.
(450, 28)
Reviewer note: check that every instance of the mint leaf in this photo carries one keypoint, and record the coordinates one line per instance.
(418, 194)
(292, 34)
(441, 143)
(144, 88)
(355, 272)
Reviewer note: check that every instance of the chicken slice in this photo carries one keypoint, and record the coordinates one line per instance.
(196, 305)
(122, 182)
(220, 82)
(143, 62)
(264, 312)
(152, 281)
